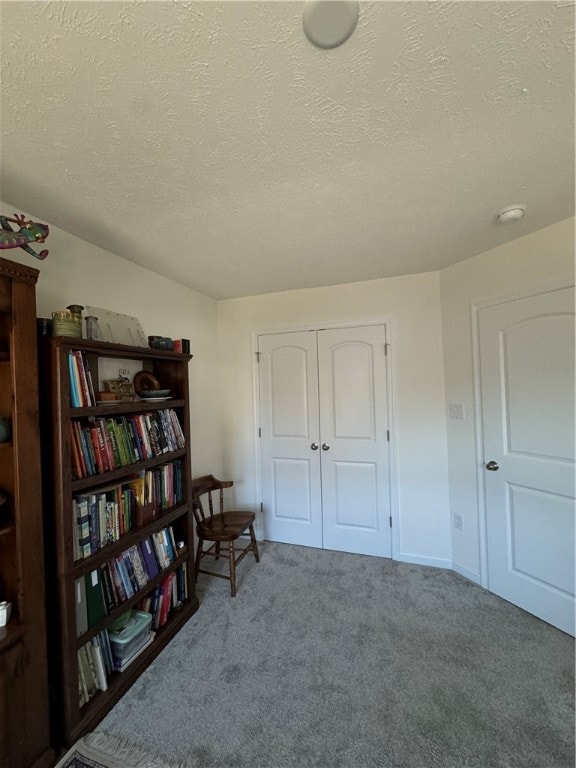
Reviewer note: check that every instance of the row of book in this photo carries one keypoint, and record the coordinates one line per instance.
(104, 515)
(115, 648)
(81, 387)
(105, 588)
(102, 445)
(95, 663)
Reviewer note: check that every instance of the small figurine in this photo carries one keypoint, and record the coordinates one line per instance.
(30, 232)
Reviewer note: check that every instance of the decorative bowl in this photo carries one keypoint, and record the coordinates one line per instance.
(154, 392)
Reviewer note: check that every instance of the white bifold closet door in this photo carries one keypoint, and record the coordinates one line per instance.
(324, 439)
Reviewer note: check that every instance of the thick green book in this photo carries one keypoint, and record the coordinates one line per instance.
(94, 598)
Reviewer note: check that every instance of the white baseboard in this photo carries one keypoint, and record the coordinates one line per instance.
(433, 562)
(470, 575)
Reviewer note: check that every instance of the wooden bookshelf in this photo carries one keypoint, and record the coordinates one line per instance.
(24, 702)
(67, 567)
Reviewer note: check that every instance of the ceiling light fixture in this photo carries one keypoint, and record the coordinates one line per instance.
(329, 23)
(511, 213)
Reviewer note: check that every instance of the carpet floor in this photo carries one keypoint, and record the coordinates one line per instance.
(334, 660)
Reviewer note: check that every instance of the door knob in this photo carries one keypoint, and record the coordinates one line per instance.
(325, 447)
(314, 446)
(492, 466)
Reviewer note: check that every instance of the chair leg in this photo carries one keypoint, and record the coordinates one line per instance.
(217, 551)
(254, 544)
(198, 557)
(232, 558)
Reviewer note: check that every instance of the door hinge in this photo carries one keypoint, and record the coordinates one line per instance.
(261, 508)
(258, 356)
(259, 431)
(388, 435)
(390, 519)
(386, 345)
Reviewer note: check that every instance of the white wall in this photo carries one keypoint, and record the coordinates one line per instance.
(411, 304)
(76, 272)
(542, 260)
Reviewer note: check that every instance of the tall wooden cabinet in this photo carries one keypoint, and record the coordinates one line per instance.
(70, 427)
(24, 710)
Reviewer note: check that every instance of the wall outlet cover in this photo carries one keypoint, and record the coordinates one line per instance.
(456, 410)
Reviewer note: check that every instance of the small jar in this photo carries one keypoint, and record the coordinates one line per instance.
(92, 327)
(66, 323)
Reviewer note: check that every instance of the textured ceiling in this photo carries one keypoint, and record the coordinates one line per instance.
(212, 143)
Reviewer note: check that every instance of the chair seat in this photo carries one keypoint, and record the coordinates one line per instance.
(225, 526)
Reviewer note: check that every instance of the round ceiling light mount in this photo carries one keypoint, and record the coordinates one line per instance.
(511, 213)
(329, 23)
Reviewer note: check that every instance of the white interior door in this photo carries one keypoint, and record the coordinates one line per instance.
(323, 417)
(291, 493)
(353, 430)
(527, 379)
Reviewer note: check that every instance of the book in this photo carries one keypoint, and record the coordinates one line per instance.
(93, 523)
(82, 525)
(138, 566)
(166, 599)
(98, 663)
(78, 463)
(94, 598)
(117, 581)
(170, 552)
(107, 445)
(130, 571)
(160, 549)
(89, 378)
(149, 558)
(82, 686)
(106, 651)
(121, 566)
(81, 607)
(113, 443)
(75, 395)
(89, 670)
(83, 379)
(107, 589)
(86, 450)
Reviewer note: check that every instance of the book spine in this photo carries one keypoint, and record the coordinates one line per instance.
(121, 566)
(75, 396)
(91, 393)
(130, 571)
(109, 601)
(83, 380)
(99, 664)
(117, 581)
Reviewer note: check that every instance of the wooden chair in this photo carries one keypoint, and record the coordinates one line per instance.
(220, 527)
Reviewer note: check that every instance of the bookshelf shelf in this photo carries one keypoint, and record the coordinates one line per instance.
(130, 603)
(82, 567)
(24, 698)
(115, 474)
(99, 528)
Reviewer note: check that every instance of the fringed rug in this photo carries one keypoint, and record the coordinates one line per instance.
(98, 750)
